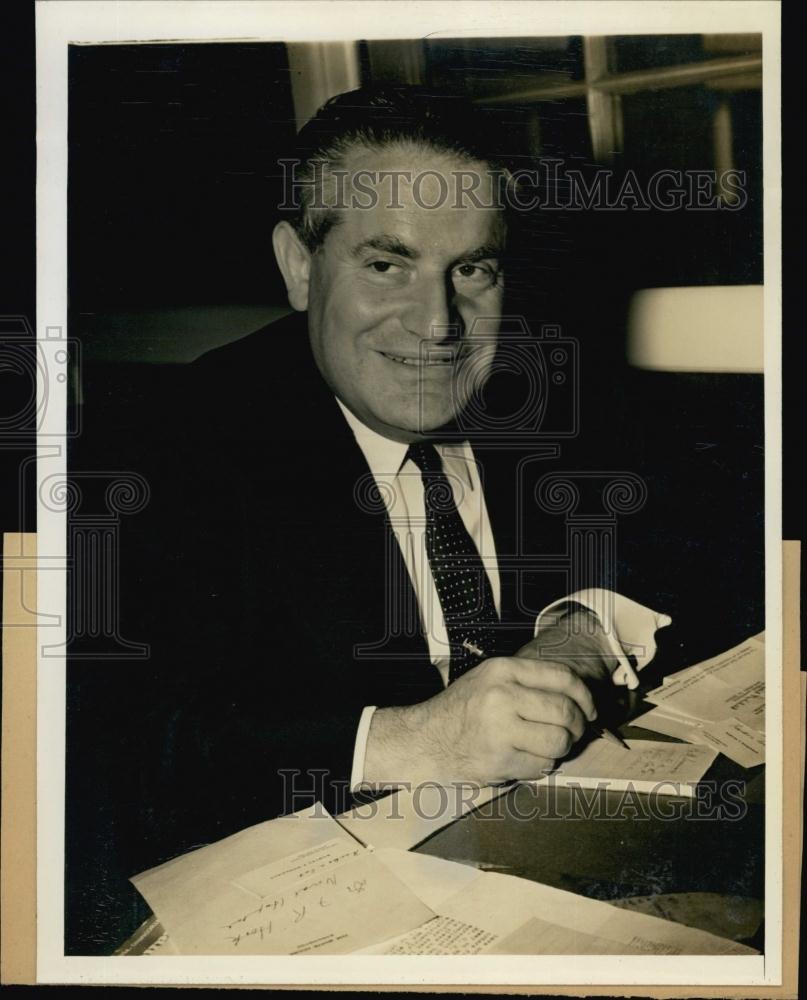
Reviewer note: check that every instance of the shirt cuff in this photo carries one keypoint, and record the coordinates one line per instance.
(360, 748)
(630, 628)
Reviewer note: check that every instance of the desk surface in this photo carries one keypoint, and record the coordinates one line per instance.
(623, 847)
(607, 845)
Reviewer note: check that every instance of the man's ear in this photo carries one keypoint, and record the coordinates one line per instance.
(294, 261)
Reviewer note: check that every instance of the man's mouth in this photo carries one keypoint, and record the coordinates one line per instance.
(433, 359)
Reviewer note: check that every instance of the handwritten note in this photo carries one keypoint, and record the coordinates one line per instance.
(330, 897)
(298, 867)
(352, 905)
(648, 766)
(332, 901)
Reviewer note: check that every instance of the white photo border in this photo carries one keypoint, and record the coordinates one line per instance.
(62, 22)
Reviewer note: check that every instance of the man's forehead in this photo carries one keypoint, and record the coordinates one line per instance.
(420, 175)
(410, 201)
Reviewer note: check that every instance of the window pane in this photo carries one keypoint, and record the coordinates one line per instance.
(637, 52)
(669, 129)
(482, 67)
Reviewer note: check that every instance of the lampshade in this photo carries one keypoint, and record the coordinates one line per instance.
(715, 328)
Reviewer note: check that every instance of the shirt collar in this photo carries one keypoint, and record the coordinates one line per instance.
(384, 456)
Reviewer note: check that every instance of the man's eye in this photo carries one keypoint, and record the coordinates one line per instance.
(382, 266)
(478, 275)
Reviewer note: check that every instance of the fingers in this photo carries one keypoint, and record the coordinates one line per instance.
(545, 675)
(588, 654)
(557, 711)
(541, 739)
(525, 766)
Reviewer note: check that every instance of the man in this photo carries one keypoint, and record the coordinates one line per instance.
(351, 621)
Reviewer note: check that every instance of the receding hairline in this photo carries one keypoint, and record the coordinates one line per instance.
(315, 221)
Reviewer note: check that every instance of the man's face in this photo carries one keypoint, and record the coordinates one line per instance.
(404, 302)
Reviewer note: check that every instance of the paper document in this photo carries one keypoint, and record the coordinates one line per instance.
(727, 916)
(677, 726)
(648, 766)
(537, 936)
(441, 936)
(733, 738)
(502, 904)
(501, 914)
(336, 897)
(408, 816)
(434, 880)
(174, 889)
(719, 703)
(251, 895)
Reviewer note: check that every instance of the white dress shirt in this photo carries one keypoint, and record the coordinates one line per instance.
(629, 626)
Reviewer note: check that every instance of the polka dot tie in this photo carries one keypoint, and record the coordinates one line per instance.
(462, 583)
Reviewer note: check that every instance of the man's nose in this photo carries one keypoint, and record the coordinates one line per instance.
(430, 315)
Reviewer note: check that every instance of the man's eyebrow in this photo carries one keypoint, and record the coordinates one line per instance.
(488, 251)
(386, 244)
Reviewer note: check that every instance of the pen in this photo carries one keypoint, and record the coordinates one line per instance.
(600, 730)
(612, 737)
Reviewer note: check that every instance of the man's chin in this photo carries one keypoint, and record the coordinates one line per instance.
(416, 426)
(435, 427)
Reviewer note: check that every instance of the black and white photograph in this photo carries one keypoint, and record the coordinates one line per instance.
(408, 466)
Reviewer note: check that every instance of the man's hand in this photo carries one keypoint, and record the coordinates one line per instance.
(578, 640)
(509, 717)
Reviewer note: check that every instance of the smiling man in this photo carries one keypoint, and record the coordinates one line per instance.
(395, 288)
(351, 621)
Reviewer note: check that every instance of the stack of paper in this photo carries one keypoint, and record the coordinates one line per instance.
(498, 914)
(300, 885)
(719, 703)
(291, 886)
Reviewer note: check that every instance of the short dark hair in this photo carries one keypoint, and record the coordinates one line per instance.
(375, 117)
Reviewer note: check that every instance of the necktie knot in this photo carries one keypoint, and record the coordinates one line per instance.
(438, 494)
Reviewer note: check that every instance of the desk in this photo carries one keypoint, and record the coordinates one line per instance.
(621, 849)
(604, 858)
(610, 845)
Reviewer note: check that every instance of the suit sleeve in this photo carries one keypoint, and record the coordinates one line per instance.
(246, 718)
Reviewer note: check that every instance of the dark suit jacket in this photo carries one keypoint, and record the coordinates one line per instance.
(290, 605)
